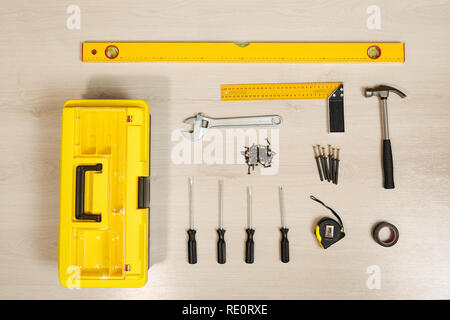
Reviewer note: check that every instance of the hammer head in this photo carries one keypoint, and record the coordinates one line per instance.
(383, 92)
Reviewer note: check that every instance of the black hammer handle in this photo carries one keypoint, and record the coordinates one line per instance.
(221, 247)
(250, 246)
(388, 166)
(284, 245)
(192, 247)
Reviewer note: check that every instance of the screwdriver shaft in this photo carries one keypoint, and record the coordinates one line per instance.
(221, 245)
(220, 204)
(250, 244)
(192, 243)
(250, 209)
(191, 211)
(283, 211)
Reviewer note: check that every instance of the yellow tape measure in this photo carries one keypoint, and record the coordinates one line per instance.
(243, 52)
(278, 91)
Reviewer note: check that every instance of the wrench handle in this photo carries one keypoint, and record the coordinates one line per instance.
(246, 121)
(388, 166)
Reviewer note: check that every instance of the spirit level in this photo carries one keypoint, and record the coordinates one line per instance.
(371, 52)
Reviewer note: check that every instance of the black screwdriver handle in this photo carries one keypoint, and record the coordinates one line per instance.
(284, 245)
(192, 247)
(221, 247)
(388, 166)
(250, 246)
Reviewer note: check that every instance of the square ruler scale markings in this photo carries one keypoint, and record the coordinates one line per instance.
(333, 92)
(305, 52)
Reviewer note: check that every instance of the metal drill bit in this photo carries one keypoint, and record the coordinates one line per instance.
(317, 162)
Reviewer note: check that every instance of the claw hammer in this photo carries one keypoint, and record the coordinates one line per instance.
(382, 92)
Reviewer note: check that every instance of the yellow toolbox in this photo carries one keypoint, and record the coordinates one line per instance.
(104, 194)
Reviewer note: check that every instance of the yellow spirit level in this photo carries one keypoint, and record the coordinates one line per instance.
(371, 52)
(104, 193)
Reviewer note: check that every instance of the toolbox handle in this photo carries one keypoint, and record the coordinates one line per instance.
(79, 193)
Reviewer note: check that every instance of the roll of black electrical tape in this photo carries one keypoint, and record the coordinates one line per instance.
(393, 236)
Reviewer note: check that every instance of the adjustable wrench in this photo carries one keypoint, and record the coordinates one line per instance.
(201, 124)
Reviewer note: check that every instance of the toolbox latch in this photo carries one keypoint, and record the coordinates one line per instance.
(143, 192)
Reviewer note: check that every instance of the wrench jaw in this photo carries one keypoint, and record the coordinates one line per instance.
(200, 126)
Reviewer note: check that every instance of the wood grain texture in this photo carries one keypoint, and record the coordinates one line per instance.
(41, 69)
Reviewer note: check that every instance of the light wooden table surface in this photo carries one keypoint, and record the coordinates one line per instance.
(41, 68)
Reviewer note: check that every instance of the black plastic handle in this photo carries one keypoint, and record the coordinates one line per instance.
(284, 245)
(192, 247)
(250, 246)
(221, 247)
(388, 166)
(79, 193)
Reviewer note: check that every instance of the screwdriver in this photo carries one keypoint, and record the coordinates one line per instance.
(284, 230)
(192, 243)
(250, 244)
(221, 246)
